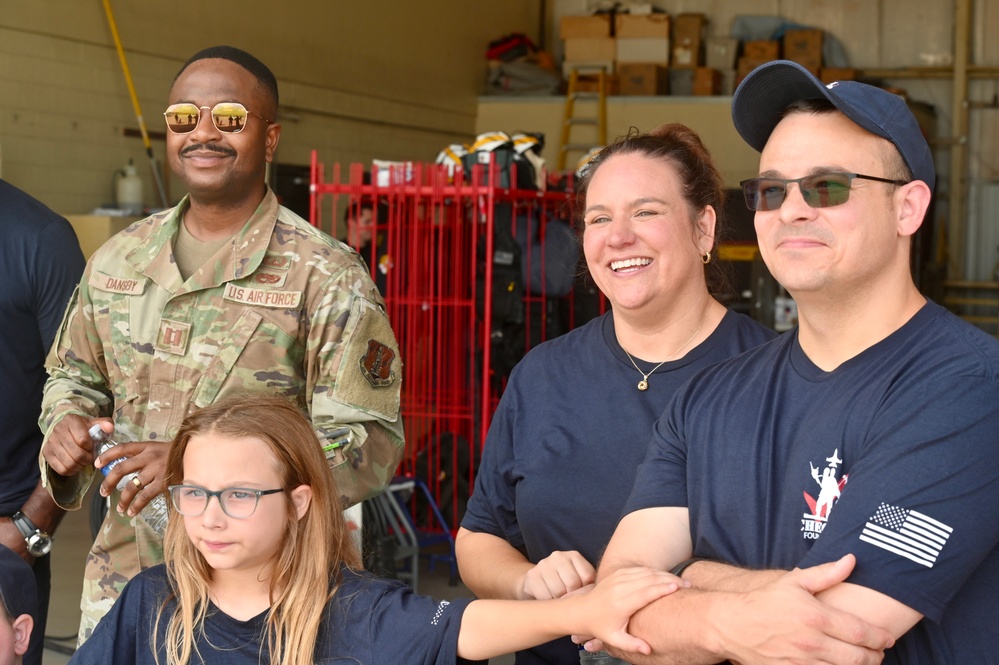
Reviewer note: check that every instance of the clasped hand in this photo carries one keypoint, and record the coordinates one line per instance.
(622, 594)
(615, 599)
(69, 450)
(556, 575)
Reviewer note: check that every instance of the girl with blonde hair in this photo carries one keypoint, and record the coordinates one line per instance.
(260, 567)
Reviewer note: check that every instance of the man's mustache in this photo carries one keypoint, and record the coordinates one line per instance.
(210, 147)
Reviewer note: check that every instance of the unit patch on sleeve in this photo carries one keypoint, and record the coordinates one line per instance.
(376, 364)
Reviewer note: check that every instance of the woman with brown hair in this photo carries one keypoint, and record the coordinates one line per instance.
(574, 421)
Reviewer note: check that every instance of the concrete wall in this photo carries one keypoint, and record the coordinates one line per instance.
(392, 80)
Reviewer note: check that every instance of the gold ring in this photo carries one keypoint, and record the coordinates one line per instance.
(137, 482)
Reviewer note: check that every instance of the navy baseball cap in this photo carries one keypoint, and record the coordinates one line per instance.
(762, 97)
(17, 585)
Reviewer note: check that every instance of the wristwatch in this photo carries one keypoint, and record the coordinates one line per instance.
(39, 542)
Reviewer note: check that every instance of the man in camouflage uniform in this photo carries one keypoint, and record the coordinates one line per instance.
(227, 292)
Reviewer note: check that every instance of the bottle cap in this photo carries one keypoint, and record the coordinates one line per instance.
(96, 431)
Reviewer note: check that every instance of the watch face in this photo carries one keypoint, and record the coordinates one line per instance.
(39, 545)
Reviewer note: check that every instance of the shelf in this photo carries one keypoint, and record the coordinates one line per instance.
(974, 72)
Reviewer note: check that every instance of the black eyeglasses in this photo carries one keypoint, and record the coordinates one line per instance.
(237, 502)
(820, 190)
(229, 117)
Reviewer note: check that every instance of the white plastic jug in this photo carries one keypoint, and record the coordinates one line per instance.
(128, 190)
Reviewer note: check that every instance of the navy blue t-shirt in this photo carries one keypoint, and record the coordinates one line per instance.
(567, 437)
(40, 265)
(893, 456)
(369, 621)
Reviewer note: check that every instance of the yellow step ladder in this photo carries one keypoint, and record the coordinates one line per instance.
(594, 101)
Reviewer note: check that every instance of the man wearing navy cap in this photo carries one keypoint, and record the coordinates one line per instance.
(829, 495)
(18, 604)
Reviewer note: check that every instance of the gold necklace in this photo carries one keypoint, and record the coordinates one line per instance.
(643, 385)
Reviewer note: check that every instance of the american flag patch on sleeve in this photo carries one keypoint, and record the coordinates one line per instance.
(907, 533)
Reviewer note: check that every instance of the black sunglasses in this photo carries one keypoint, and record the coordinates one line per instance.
(820, 190)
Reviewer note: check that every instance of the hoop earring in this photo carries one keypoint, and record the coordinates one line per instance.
(706, 259)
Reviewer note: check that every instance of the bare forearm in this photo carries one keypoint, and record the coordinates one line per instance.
(493, 627)
(490, 628)
(684, 643)
(677, 630)
(872, 606)
(717, 576)
(780, 620)
(673, 626)
(679, 627)
(490, 566)
(42, 510)
(43, 513)
(862, 602)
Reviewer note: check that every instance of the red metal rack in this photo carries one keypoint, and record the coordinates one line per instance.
(437, 229)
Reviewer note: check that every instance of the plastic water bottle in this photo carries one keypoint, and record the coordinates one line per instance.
(155, 513)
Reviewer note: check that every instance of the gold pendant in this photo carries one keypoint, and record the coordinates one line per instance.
(643, 385)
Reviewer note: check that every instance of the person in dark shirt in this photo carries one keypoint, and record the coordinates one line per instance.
(364, 235)
(832, 486)
(574, 421)
(40, 265)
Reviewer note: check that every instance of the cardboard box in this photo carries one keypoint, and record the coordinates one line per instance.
(643, 49)
(720, 52)
(681, 81)
(804, 47)
(762, 49)
(590, 49)
(687, 30)
(612, 85)
(707, 81)
(831, 74)
(581, 27)
(630, 26)
(748, 64)
(643, 79)
(92, 231)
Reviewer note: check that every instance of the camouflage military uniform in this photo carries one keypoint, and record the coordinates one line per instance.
(283, 308)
